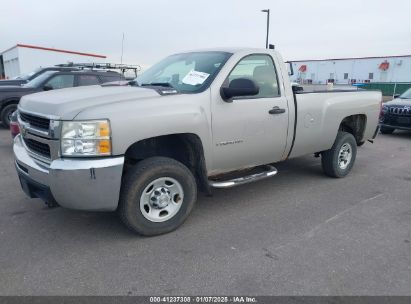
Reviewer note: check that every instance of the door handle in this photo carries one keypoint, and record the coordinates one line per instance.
(276, 110)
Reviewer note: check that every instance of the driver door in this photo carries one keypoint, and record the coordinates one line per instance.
(245, 132)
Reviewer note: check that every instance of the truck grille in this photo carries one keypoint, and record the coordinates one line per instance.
(405, 111)
(38, 147)
(35, 121)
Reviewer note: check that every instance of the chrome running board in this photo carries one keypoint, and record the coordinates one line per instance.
(268, 172)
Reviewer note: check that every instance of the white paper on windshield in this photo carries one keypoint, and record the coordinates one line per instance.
(195, 77)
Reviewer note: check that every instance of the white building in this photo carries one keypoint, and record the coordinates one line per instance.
(353, 70)
(22, 59)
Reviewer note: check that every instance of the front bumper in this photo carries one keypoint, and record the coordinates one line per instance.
(394, 126)
(396, 121)
(84, 184)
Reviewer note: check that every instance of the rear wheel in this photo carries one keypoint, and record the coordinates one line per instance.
(157, 196)
(339, 160)
(6, 113)
(386, 130)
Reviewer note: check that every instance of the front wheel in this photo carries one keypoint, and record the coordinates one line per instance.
(339, 160)
(157, 196)
(6, 114)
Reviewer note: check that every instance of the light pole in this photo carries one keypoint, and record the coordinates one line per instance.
(268, 25)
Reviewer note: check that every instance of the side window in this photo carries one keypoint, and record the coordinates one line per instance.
(86, 80)
(61, 82)
(259, 68)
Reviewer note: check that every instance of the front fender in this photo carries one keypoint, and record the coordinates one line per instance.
(133, 121)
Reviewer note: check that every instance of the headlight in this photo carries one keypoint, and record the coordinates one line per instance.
(384, 109)
(86, 138)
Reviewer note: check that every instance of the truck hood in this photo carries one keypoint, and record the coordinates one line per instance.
(15, 88)
(398, 102)
(66, 104)
(16, 82)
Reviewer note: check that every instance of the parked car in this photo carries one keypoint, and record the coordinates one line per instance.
(28, 77)
(196, 120)
(50, 80)
(396, 114)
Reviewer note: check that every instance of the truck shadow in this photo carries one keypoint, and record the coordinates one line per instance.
(291, 175)
(96, 225)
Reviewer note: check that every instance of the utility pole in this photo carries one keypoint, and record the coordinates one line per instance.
(268, 25)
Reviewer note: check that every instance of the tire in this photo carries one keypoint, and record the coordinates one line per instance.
(386, 130)
(6, 113)
(173, 184)
(332, 160)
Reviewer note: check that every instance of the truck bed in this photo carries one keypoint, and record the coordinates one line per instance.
(320, 112)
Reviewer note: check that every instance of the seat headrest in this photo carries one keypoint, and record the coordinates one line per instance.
(264, 73)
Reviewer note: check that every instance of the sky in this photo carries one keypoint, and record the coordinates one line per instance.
(153, 29)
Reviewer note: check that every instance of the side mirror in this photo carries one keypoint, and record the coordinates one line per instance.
(47, 87)
(396, 95)
(297, 88)
(239, 87)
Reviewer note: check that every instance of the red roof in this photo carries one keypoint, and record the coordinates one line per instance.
(56, 50)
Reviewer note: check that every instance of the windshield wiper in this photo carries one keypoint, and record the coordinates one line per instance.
(157, 84)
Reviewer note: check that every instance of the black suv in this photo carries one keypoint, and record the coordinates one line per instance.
(50, 80)
(396, 114)
(26, 78)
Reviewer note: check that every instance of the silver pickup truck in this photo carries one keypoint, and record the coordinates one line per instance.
(194, 121)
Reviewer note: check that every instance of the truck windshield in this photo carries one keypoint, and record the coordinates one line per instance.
(29, 75)
(406, 94)
(187, 73)
(36, 82)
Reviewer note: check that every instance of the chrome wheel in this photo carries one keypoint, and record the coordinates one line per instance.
(344, 156)
(161, 199)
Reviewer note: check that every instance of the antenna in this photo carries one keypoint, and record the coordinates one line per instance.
(122, 49)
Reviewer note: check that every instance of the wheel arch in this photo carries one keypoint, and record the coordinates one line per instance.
(354, 124)
(11, 100)
(186, 148)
